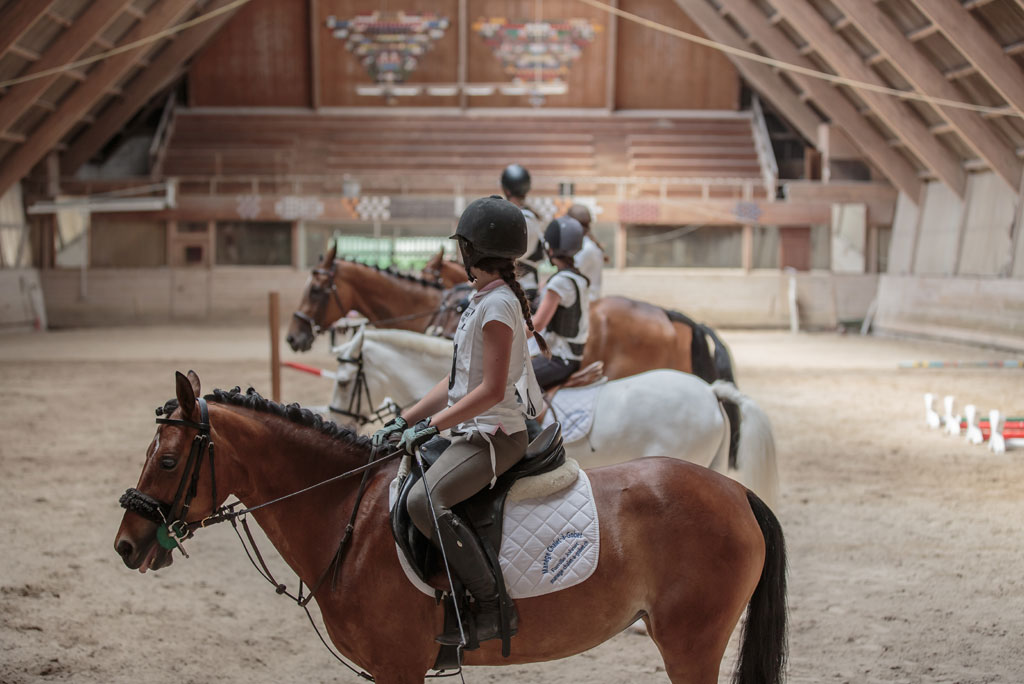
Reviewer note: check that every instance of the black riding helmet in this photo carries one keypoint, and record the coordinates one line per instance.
(515, 180)
(564, 237)
(490, 227)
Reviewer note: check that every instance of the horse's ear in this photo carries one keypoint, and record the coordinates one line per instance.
(357, 341)
(186, 393)
(193, 379)
(331, 253)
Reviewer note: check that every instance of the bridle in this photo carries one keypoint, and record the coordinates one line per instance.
(331, 291)
(169, 517)
(170, 535)
(361, 389)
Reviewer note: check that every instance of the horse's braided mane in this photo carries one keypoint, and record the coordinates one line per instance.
(294, 413)
(394, 273)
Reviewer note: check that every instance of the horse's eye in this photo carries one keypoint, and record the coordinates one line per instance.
(168, 463)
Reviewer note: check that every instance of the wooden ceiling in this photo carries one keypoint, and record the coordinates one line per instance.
(78, 111)
(962, 50)
(965, 50)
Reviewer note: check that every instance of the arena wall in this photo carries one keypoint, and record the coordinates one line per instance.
(984, 311)
(128, 296)
(759, 299)
(956, 266)
(21, 305)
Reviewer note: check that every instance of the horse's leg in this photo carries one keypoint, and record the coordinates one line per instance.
(690, 658)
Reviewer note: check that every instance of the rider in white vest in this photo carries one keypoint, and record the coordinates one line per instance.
(564, 313)
(515, 183)
(591, 258)
(484, 401)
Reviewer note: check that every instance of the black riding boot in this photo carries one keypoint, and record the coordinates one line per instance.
(468, 560)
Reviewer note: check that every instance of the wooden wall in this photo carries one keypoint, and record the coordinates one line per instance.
(659, 71)
(339, 71)
(266, 54)
(586, 77)
(260, 58)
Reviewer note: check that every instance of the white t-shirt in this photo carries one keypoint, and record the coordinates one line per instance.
(590, 260)
(534, 234)
(496, 302)
(561, 284)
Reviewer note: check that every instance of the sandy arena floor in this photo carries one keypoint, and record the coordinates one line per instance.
(906, 547)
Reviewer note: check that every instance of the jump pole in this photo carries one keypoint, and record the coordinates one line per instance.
(275, 345)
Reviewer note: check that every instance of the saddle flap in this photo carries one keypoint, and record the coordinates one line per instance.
(547, 440)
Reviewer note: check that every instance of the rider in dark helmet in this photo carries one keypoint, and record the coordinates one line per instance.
(564, 313)
(484, 401)
(515, 183)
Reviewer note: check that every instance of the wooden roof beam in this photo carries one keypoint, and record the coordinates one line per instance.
(17, 19)
(897, 116)
(926, 78)
(979, 47)
(760, 76)
(67, 47)
(165, 68)
(829, 100)
(85, 96)
(24, 53)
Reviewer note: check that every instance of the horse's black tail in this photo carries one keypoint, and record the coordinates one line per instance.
(723, 359)
(705, 366)
(763, 643)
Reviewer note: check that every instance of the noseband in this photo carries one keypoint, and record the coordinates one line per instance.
(314, 327)
(171, 528)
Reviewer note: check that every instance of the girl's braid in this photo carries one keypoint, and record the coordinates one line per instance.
(507, 271)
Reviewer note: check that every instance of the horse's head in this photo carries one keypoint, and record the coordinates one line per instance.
(320, 306)
(168, 489)
(443, 272)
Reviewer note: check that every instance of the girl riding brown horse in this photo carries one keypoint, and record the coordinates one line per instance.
(683, 548)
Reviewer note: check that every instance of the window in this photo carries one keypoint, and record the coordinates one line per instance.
(254, 243)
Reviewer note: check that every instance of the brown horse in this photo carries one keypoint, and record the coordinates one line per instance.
(337, 287)
(681, 547)
(445, 272)
(630, 337)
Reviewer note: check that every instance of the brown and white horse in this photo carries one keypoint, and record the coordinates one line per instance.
(683, 548)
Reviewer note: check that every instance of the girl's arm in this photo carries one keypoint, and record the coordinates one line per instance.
(497, 352)
(547, 310)
(435, 400)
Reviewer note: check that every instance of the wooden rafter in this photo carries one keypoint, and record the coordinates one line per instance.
(67, 47)
(85, 96)
(804, 19)
(17, 19)
(927, 78)
(980, 48)
(760, 76)
(164, 68)
(761, 30)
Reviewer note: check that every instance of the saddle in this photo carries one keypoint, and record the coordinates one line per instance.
(581, 378)
(484, 513)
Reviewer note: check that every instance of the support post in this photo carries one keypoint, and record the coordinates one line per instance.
(275, 345)
(620, 247)
(748, 247)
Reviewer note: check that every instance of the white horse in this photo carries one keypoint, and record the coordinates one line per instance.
(657, 413)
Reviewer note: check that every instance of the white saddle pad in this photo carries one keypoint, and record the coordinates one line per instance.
(574, 409)
(549, 542)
